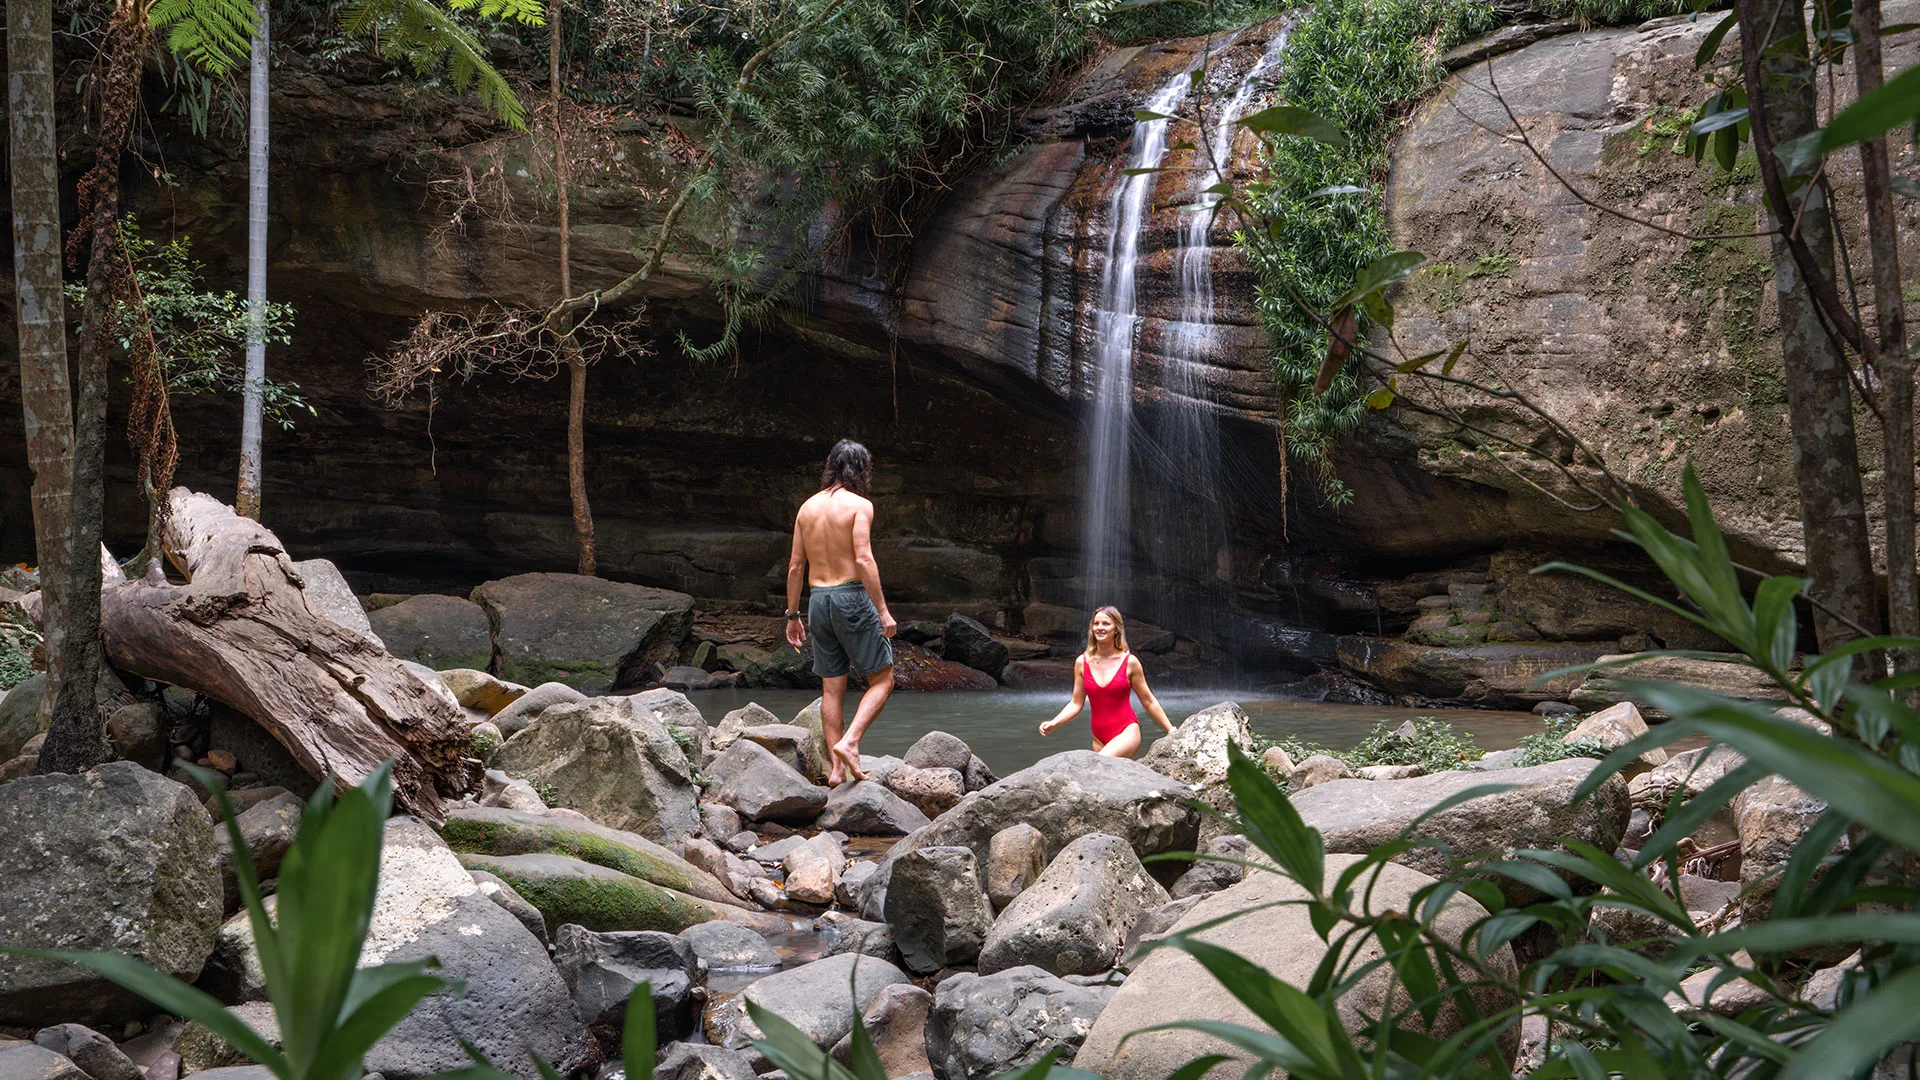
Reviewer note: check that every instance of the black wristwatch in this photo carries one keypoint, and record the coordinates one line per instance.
(793, 614)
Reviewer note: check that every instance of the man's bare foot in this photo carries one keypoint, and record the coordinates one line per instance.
(852, 759)
(835, 777)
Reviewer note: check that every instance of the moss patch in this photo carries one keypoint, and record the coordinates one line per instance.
(593, 896)
(476, 836)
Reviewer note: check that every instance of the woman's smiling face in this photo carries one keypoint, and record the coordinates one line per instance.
(1102, 627)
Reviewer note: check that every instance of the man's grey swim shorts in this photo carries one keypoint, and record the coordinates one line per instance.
(845, 630)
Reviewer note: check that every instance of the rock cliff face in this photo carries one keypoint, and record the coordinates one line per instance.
(967, 367)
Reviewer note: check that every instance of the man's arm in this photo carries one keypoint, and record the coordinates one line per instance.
(868, 569)
(796, 577)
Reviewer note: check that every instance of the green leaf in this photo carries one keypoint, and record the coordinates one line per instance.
(1894, 103)
(1294, 120)
(1713, 122)
(1272, 824)
(1885, 1017)
(1380, 398)
(637, 1035)
(394, 990)
(1380, 273)
(1774, 619)
(1710, 44)
(1144, 116)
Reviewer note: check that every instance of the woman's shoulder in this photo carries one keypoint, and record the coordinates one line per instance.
(1133, 664)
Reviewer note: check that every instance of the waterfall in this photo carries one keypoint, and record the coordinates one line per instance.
(1179, 516)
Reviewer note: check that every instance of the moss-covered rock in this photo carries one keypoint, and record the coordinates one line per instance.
(488, 830)
(571, 891)
(611, 762)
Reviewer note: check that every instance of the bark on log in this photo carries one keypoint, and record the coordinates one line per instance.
(241, 632)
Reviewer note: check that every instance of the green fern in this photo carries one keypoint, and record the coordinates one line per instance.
(424, 35)
(216, 35)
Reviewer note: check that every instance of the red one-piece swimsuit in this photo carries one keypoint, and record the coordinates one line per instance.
(1112, 706)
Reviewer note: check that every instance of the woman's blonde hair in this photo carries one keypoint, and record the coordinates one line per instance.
(1119, 628)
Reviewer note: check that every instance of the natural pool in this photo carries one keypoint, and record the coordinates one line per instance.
(1000, 724)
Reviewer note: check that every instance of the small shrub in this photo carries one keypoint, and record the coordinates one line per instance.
(1549, 744)
(16, 654)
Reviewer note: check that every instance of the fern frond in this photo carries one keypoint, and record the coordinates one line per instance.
(423, 33)
(215, 35)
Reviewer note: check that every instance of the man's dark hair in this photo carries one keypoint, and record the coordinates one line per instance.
(848, 465)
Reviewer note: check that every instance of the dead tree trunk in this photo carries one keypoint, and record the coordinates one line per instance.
(241, 632)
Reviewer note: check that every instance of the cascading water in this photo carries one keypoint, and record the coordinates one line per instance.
(1179, 517)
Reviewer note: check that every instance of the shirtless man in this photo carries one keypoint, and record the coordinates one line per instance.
(833, 552)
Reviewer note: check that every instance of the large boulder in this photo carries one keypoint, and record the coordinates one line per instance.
(1610, 686)
(329, 596)
(820, 999)
(699, 1061)
(933, 791)
(965, 641)
(897, 1024)
(1614, 727)
(938, 750)
(20, 715)
(1196, 752)
(1073, 920)
(602, 970)
(1355, 816)
(1771, 817)
(937, 907)
(864, 808)
(29, 1062)
(1067, 796)
(727, 947)
(526, 708)
(1273, 932)
(93, 1052)
(485, 830)
(514, 1005)
(438, 631)
(681, 717)
(571, 891)
(749, 778)
(985, 1025)
(476, 689)
(587, 632)
(752, 714)
(614, 764)
(117, 859)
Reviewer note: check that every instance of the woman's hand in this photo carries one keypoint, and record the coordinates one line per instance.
(1046, 727)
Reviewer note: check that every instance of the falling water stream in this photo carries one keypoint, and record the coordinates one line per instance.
(1174, 455)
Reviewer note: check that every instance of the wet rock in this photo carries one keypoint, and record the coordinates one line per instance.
(500, 791)
(938, 750)
(1066, 796)
(1316, 770)
(587, 632)
(30, 1062)
(984, 1025)
(1614, 727)
(820, 999)
(609, 761)
(967, 642)
(864, 808)
(1074, 918)
(933, 791)
(476, 689)
(1169, 985)
(531, 704)
(438, 631)
(813, 869)
(747, 777)
(602, 970)
(699, 1061)
(20, 715)
(596, 897)
(268, 828)
(1016, 856)
(1210, 877)
(496, 831)
(897, 1023)
(138, 873)
(917, 670)
(937, 908)
(1354, 816)
(93, 1052)
(727, 947)
(510, 902)
(1388, 772)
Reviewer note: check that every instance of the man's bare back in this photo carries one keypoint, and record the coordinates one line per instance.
(824, 531)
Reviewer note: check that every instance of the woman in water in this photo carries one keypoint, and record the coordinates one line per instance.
(1098, 677)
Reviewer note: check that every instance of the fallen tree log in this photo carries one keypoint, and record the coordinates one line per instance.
(241, 632)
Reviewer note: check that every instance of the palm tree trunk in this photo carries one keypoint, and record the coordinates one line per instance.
(247, 492)
(576, 364)
(1896, 366)
(1779, 82)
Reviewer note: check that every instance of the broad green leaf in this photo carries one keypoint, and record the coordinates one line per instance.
(638, 1040)
(1788, 935)
(1144, 116)
(1294, 120)
(1893, 104)
(342, 1054)
(1272, 824)
(1715, 121)
(1710, 44)
(1696, 812)
(1774, 619)
(1380, 273)
(1885, 1017)
(1380, 398)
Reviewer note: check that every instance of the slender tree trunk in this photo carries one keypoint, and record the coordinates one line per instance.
(1779, 84)
(46, 391)
(1896, 366)
(247, 492)
(576, 364)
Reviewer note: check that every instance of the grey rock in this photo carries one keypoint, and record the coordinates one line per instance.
(937, 907)
(719, 822)
(1066, 796)
(137, 871)
(503, 792)
(1196, 751)
(93, 1052)
(137, 732)
(750, 779)
(268, 828)
(864, 808)
(813, 869)
(863, 936)
(603, 969)
(853, 883)
(732, 724)
(1207, 877)
(879, 767)
(329, 596)
(820, 999)
(523, 709)
(1771, 816)
(511, 902)
(984, 1025)
(699, 1061)
(978, 775)
(619, 766)
(1153, 925)
(965, 641)
(938, 750)
(1016, 856)
(233, 973)
(438, 631)
(743, 841)
(30, 1062)
(775, 853)
(790, 743)
(897, 1023)
(476, 689)
(1074, 919)
(1355, 816)
(587, 632)
(202, 1049)
(681, 716)
(20, 715)
(1316, 770)
(728, 947)
(1387, 772)
(933, 791)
